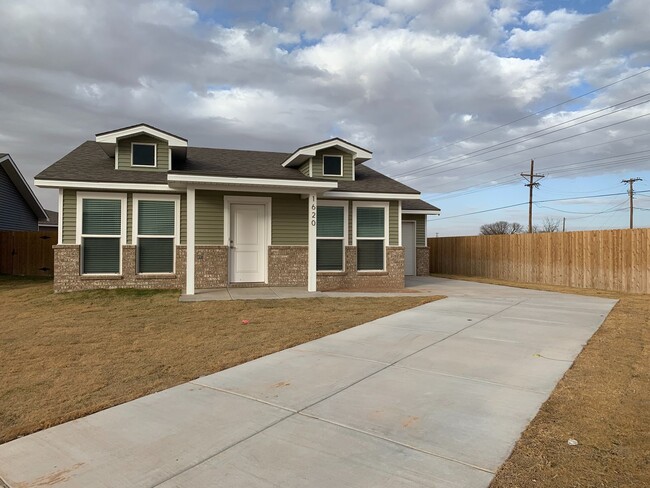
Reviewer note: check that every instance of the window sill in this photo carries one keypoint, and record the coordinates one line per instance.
(156, 276)
(372, 273)
(102, 277)
(331, 273)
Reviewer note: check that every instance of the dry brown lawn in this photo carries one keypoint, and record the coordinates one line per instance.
(67, 355)
(603, 401)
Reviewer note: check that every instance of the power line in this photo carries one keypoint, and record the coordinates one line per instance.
(540, 201)
(436, 148)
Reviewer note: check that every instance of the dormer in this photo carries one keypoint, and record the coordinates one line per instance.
(334, 159)
(143, 148)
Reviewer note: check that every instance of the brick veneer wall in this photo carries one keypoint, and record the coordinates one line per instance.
(422, 261)
(288, 265)
(67, 275)
(211, 267)
(351, 278)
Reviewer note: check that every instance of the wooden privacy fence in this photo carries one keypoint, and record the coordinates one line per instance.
(27, 253)
(608, 260)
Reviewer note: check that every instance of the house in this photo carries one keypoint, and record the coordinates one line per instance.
(51, 223)
(19, 207)
(140, 208)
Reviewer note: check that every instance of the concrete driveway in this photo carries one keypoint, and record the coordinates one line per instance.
(435, 396)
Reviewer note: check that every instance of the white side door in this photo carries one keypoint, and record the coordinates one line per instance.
(247, 243)
(408, 241)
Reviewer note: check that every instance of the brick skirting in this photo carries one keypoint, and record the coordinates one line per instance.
(351, 278)
(288, 265)
(422, 261)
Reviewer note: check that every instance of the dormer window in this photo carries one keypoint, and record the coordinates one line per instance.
(332, 165)
(143, 154)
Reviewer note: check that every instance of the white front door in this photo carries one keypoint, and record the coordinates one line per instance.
(408, 241)
(247, 243)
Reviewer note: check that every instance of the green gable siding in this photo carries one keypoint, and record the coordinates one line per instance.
(69, 231)
(348, 165)
(393, 224)
(304, 168)
(290, 222)
(124, 153)
(209, 217)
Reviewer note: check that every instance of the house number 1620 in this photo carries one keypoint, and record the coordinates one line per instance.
(313, 211)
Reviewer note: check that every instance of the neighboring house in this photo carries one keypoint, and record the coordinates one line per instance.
(140, 209)
(51, 223)
(19, 207)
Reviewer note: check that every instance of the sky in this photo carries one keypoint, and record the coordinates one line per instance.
(454, 97)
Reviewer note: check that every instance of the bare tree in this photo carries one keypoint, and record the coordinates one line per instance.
(501, 227)
(549, 225)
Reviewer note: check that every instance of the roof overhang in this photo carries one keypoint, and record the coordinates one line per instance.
(370, 196)
(250, 184)
(22, 186)
(359, 154)
(115, 135)
(91, 185)
(420, 212)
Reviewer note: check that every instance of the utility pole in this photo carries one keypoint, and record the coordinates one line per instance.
(631, 193)
(532, 183)
(563, 224)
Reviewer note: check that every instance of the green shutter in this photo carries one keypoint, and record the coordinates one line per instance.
(156, 218)
(330, 222)
(156, 255)
(370, 255)
(102, 217)
(329, 255)
(370, 222)
(101, 255)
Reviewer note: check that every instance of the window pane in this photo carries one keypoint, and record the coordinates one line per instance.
(102, 217)
(370, 222)
(329, 255)
(143, 155)
(155, 218)
(156, 255)
(370, 255)
(332, 165)
(101, 255)
(330, 222)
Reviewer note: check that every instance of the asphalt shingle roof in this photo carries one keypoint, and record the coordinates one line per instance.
(91, 162)
(418, 205)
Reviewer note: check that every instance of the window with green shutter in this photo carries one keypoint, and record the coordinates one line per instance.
(371, 238)
(330, 236)
(101, 234)
(156, 234)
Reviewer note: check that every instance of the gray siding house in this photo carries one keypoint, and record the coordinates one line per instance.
(19, 207)
(140, 208)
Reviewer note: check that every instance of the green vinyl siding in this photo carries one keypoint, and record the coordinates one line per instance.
(420, 229)
(209, 217)
(304, 168)
(124, 153)
(183, 236)
(348, 165)
(289, 225)
(393, 224)
(129, 218)
(69, 231)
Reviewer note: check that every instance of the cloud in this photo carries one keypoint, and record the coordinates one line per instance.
(402, 77)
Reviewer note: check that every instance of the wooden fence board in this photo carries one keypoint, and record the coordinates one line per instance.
(24, 253)
(608, 260)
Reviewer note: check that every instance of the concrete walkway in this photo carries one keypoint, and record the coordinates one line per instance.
(435, 396)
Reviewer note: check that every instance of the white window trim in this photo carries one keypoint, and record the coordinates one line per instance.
(81, 196)
(336, 203)
(155, 154)
(228, 200)
(135, 236)
(332, 156)
(385, 206)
